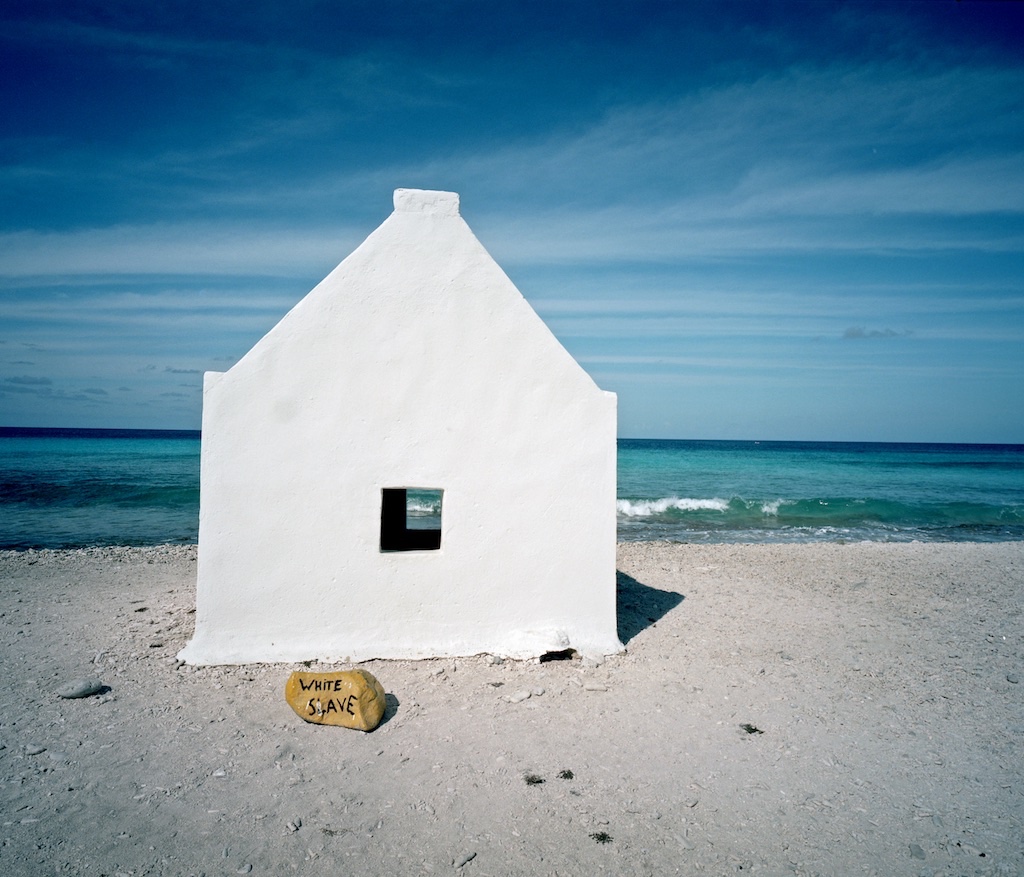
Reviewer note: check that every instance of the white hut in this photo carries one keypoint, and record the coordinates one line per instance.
(414, 373)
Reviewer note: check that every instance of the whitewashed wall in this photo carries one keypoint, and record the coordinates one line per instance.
(415, 363)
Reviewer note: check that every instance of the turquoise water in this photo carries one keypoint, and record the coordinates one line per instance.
(819, 491)
(70, 488)
(65, 488)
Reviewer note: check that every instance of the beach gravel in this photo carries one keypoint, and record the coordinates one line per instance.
(879, 674)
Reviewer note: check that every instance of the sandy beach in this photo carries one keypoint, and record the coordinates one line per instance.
(781, 709)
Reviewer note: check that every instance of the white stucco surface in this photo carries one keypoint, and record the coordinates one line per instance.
(415, 363)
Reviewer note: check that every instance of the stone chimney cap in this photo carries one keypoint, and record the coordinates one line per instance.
(426, 201)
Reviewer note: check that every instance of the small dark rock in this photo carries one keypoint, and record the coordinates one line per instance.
(80, 688)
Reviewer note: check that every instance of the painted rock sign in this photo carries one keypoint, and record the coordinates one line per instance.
(349, 698)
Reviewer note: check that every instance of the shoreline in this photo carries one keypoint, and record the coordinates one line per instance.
(885, 678)
(102, 549)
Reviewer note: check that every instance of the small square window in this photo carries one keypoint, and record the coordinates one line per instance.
(410, 519)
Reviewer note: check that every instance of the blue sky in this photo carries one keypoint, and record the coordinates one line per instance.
(750, 220)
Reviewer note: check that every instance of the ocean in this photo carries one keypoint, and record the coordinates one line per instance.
(729, 491)
(77, 488)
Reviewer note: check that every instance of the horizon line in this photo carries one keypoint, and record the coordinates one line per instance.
(129, 432)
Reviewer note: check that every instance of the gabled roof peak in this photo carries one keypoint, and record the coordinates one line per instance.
(426, 201)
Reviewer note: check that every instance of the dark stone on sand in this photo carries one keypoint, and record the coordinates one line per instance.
(80, 688)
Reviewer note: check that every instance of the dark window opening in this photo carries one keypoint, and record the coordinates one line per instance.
(410, 519)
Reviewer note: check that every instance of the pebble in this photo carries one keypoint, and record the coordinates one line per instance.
(245, 869)
(34, 749)
(537, 691)
(466, 858)
(594, 686)
(80, 688)
(518, 697)
(916, 851)
(1012, 678)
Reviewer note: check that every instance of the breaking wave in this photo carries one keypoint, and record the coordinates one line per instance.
(740, 519)
(651, 507)
(422, 508)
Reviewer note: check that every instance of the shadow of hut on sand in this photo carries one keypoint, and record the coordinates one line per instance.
(640, 605)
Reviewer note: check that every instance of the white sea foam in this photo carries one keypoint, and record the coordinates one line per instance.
(771, 508)
(422, 508)
(650, 507)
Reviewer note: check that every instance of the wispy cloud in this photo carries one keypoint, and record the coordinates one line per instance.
(859, 333)
(182, 249)
(29, 381)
